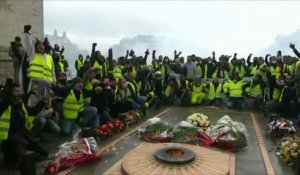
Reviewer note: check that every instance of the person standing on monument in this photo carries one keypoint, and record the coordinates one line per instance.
(41, 66)
(16, 52)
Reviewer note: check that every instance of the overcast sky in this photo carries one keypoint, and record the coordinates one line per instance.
(223, 26)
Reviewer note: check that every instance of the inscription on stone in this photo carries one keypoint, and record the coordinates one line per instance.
(4, 5)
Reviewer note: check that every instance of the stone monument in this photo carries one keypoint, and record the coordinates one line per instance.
(14, 14)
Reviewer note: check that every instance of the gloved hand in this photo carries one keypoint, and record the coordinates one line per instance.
(94, 44)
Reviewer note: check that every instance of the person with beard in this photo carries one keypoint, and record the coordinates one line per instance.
(215, 89)
(14, 122)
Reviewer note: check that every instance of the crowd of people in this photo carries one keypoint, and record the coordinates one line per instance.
(41, 99)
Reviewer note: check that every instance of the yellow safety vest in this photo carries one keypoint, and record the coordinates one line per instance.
(133, 86)
(36, 67)
(101, 67)
(133, 72)
(48, 68)
(88, 86)
(253, 69)
(226, 75)
(241, 71)
(80, 63)
(214, 93)
(197, 89)
(117, 72)
(254, 91)
(275, 71)
(199, 69)
(234, 89)
(163, 72)
(276, 94)
(281, 94)
(71, 106)
(168, 91)
(62, 67)
(5, 122)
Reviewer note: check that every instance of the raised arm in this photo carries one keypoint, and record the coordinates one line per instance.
(292, 46)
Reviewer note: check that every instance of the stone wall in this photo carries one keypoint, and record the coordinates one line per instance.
(14, 14)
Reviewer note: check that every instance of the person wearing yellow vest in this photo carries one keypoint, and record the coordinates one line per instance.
(88, 77)
(214, 92)
(222, 70)
(122, 98)
(288, 104)
(44, 117)
(79, 66)
(254, 93)
(234, 90)
(74, 110)
(170, 92)
(41, 68)
(116, 70)
(274, 68)
(139, 102)
(15, 137)
(197, 90)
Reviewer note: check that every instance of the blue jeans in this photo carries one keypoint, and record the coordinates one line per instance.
(87, 118)
(44, 124)
(139, 102)
(104, 117)
(235, 102)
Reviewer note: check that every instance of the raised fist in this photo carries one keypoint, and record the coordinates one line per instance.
(147, 52)
(213, 53)
(131, 53)
(94, 44)
(27, 28)
(292, 46)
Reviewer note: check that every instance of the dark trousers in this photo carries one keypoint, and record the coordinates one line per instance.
(13, 150)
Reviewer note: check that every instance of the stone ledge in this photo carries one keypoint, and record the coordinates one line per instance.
(3, 49)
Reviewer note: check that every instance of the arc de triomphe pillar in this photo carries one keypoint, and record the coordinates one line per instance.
(14, 14)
